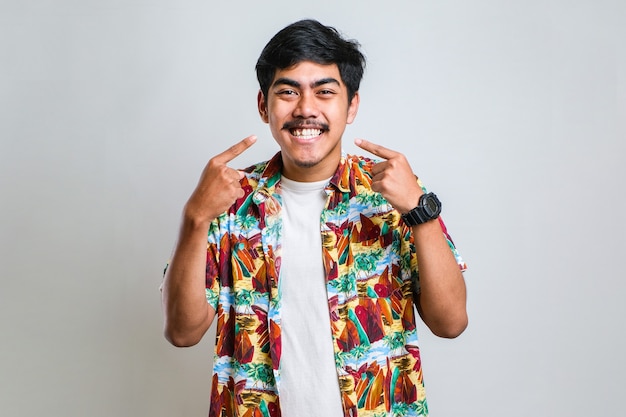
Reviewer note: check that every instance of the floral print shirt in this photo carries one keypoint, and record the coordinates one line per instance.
(371, 272)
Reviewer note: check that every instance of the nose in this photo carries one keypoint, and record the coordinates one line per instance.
(306, 107)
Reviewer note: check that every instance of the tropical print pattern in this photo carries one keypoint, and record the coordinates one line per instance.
(371, 271)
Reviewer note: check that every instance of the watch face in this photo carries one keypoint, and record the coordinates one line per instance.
(432, 205)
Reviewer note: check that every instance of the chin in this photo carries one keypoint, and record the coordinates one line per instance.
(307, 164)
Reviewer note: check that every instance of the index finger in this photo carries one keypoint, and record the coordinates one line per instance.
(235, 150)
(375, 149)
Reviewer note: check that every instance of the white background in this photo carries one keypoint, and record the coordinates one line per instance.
(513, 112)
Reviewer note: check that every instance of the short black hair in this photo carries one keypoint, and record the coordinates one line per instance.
(309, 40)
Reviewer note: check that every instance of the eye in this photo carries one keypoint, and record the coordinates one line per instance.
(287, 92)
(326, 93)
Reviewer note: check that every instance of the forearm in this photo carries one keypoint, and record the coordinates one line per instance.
(441, 301)
(187, 313)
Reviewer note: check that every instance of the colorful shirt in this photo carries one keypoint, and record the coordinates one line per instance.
(371, 272)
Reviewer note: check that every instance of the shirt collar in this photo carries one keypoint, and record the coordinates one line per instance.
(340, 179)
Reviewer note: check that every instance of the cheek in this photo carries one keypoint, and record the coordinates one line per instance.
(277, 115)
(275, 125)
(275, 121)
(341, 115)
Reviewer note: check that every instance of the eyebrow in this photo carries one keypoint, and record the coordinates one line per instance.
(296, 84)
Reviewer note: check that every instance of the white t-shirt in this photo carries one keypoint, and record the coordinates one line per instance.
(309, 384)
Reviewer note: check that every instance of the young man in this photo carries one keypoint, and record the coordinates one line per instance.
(314, 259)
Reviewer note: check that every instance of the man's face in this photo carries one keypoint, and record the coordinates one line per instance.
(307, 110)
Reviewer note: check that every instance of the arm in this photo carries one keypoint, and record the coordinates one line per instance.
(186, 311)
(442, 299)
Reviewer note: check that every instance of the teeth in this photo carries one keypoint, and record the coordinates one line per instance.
(307, 133)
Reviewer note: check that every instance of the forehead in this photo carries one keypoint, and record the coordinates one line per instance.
(308, 73)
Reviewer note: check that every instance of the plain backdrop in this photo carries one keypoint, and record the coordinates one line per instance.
(513, 112)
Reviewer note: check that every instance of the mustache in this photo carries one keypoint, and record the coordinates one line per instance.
(305, 123)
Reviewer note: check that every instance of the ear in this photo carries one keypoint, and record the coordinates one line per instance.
(262, 106)
(353, 108)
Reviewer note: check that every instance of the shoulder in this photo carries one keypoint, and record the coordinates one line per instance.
(266, 172)
(360, 162)
(255, 171)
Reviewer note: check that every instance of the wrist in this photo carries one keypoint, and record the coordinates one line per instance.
(414, 202)
(427, 209)
(192, 220)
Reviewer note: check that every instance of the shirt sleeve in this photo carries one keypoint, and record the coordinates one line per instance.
(455, 252)
(212, 287)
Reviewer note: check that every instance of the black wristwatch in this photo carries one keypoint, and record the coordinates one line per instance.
(428, 208)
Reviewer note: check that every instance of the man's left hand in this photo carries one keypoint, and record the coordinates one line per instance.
(393, 177)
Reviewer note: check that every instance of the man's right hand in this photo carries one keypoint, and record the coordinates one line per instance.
(219, 185)
(187, 313)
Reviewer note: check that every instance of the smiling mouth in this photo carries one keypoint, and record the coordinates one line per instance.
(308, 133)
(305, 129)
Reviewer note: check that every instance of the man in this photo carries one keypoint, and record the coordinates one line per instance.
(314, 259)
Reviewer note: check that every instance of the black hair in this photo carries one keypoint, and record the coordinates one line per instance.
(309, 40)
